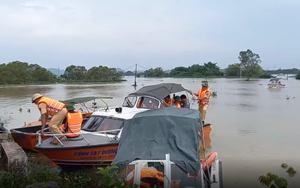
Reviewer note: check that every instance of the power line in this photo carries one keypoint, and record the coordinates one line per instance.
(128, 68)
(133, 66)
(143, 67)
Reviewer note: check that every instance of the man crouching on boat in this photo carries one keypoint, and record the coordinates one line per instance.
(54, 108)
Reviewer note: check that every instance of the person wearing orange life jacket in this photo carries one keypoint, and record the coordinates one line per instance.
(73, 122)
(168, 100)
(54, 108)
(203, 100)
(177, 102)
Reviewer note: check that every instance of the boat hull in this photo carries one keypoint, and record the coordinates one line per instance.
(26, 137)
(207, 130)
(275, 86)
(88, 156)
(80, 157)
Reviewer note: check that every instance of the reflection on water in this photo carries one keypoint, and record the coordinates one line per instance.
(247, 132)
(11, 93)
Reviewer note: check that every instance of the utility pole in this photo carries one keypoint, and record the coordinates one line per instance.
(135, 73)
(240, 70)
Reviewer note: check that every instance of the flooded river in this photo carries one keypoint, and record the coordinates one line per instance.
(255, 129)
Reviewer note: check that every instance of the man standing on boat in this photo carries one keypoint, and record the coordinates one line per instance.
(54, 108)
(203, 100)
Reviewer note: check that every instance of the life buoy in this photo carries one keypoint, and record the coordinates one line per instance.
(206, 163)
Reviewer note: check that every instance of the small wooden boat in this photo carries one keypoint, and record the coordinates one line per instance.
(26, 136)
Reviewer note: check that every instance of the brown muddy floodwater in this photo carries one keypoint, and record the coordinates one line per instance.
(255, 129)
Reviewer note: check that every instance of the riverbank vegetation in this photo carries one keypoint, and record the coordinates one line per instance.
(43, 172)
(298, 76)
(100, 73)
(17, 72)
(249, 67)
(40, 171)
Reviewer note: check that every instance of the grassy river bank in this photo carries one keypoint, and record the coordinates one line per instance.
(41, 169)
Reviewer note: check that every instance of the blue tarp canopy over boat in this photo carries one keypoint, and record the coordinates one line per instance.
(152, 134)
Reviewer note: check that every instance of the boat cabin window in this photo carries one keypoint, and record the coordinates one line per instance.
(99, 123)
(148, 103)
(129, 101)
(90, 124)
(110, 124)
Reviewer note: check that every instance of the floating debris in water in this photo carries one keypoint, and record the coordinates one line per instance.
(288, 97)
(214, 94)
(20, 109)
(28, 110)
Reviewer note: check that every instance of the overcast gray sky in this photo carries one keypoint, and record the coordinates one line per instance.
(165, 33)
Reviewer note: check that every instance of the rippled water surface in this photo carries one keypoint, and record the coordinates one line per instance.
(249, 120)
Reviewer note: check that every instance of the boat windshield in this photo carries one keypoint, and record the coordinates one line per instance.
(100, 123)
(148, 103)
(129, 101)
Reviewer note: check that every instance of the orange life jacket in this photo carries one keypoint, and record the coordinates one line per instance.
(147, 173)
(178, 105)
(170, 102)
(73, 124)
(202, 93)
(53, 106)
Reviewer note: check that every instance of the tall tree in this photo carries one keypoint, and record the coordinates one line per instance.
(249, 63)
(233, 70)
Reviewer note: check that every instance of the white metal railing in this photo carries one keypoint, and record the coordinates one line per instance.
(167, 171)
(140, 164)
(39, 134)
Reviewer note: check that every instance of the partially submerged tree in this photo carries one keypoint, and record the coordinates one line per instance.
(298, 76)
(233, 70)
(249, 63)
(272, 180)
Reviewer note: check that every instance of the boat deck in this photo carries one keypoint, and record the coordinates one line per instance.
(78, 142)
